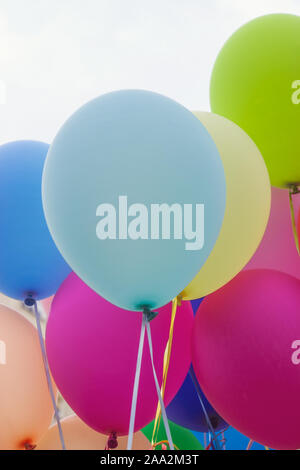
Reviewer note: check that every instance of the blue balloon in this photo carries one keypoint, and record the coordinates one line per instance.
(29, 260)
(195, 304)
(234, 440)
(134, 196)
(186, 410)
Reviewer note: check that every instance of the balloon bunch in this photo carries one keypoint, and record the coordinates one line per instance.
(151, 206)
(140, 231)
(246, 333)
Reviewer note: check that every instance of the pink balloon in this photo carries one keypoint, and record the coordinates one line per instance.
(92, 349)
(246, 359)
(277, 249)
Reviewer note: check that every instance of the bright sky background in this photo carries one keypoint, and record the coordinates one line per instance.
(57, 54)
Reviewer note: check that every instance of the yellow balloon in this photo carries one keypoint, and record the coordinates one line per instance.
(78, 436)
(247, 210)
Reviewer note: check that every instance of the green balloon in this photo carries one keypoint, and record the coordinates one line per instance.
(256, 84)
(182, 438)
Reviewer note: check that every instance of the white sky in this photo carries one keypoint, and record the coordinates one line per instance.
(57, 54)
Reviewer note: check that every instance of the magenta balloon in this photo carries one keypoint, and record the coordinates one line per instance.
(92, 349)
(277, 249)
(243, 355)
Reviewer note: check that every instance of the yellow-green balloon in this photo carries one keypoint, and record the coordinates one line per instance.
(256, 83)
(247, 209)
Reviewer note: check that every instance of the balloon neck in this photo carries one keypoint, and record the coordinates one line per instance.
(29, 300)
(294, 188)
(112, 442)
(149, 314)
(214, 421)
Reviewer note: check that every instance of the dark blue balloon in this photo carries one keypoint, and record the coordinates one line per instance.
(195, 304)
(186, 410)
(29, 260)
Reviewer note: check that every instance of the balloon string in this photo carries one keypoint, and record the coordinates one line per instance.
(292, 191)
(160, 398)
(223, 440)
(250, 444)
(167, 357)
(47, 371)
(136, 383)
(160, 443)
(210, 444)
(208, 422)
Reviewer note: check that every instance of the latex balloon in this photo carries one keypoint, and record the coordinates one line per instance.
(247, 206)
(183, 438)
(231, 439)
(25, 403)
(246, 355)
(195, 304)
(186, 410)
(29, 259)
(121, 196)
(277, 249)
(237, 441)
(78, 436)
(255, 83)
(93, 362)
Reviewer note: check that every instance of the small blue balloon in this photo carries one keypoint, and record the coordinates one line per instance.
(186, 410)
(29, 260)
(195, 304)
(134, 196)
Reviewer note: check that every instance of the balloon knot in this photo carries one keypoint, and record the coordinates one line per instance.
(29, 300)
(112, 442)
(294, 188)
(28, 446)
(214, 421)
(149, 314)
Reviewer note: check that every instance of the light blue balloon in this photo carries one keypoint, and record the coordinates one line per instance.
(152, 150)
(29, 260)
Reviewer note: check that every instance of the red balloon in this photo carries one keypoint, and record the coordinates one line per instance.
(246, 355)
(92, 349)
